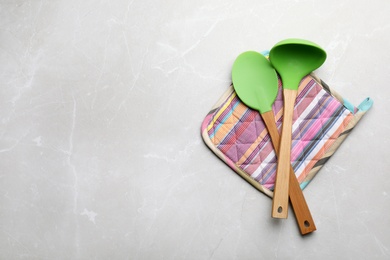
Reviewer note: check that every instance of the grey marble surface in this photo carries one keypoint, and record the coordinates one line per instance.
(101, 156)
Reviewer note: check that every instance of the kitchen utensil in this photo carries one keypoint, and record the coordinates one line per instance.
(256, 84)
(293, 59)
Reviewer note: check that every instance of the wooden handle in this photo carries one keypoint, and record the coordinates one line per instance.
(301, 209)
(281, 191)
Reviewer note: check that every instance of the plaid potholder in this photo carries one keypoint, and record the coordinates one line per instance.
(322, 120)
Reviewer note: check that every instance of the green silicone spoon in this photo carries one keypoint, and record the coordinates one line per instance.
(256, 84)
(293, 59)
(255, 81)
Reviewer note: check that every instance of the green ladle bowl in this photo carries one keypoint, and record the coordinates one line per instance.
(295, 58)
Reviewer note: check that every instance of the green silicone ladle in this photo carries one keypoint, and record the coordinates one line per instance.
(293, 59)
(256, 84)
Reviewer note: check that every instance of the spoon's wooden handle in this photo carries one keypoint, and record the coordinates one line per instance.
(280, 199)
(298, 202)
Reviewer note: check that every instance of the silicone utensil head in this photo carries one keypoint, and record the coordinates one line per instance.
(255, 81)
(294, 59)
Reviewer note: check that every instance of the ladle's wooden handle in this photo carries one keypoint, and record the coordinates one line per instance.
(298, 202)
(280, 199)
(300, 207)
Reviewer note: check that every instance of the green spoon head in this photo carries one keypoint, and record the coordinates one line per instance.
(255, 81)
(294, 59)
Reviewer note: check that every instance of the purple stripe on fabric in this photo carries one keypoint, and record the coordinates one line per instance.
(259, 149)
(312, 125)
(306, 97)
(224, 113)
(306, 89)
(263, 150)
(269, 177)
(229, 145)
(320, 135)
(237, 128)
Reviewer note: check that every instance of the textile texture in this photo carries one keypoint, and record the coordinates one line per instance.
(237, 134)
